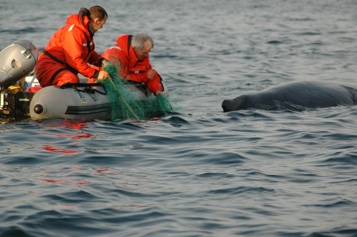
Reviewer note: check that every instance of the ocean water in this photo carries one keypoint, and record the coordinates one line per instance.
(200, 172)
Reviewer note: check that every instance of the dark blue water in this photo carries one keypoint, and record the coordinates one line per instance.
(201, 172)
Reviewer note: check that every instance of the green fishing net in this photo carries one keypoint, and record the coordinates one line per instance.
(127, 103)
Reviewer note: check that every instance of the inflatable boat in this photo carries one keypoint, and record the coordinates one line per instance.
(22, 97)
(78, 101)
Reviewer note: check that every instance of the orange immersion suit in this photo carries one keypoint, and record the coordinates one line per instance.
(131, 68)
(68, 53)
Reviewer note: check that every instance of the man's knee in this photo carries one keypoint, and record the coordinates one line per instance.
(65, 77)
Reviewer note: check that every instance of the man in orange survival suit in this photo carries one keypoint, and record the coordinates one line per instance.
(131, 55)
(71, 50)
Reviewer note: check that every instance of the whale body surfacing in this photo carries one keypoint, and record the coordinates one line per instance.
(296, 95)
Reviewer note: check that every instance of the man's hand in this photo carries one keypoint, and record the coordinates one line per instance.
(151, 74)
(163, 93)
(105, 63)
(102, 75)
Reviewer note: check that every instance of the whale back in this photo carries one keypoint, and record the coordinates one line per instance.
(297, 96)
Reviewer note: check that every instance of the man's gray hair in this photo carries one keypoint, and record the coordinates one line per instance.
(138, 40)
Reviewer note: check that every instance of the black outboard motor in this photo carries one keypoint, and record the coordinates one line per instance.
(16, 61)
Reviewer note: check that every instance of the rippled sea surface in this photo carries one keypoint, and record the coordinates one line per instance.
(200, 172)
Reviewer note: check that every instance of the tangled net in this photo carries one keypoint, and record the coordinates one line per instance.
(128, 103)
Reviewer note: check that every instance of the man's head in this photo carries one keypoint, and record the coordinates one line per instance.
(142, 44)
(98, 18)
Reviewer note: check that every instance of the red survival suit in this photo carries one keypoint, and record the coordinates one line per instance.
(130, 67)
(68, 53)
